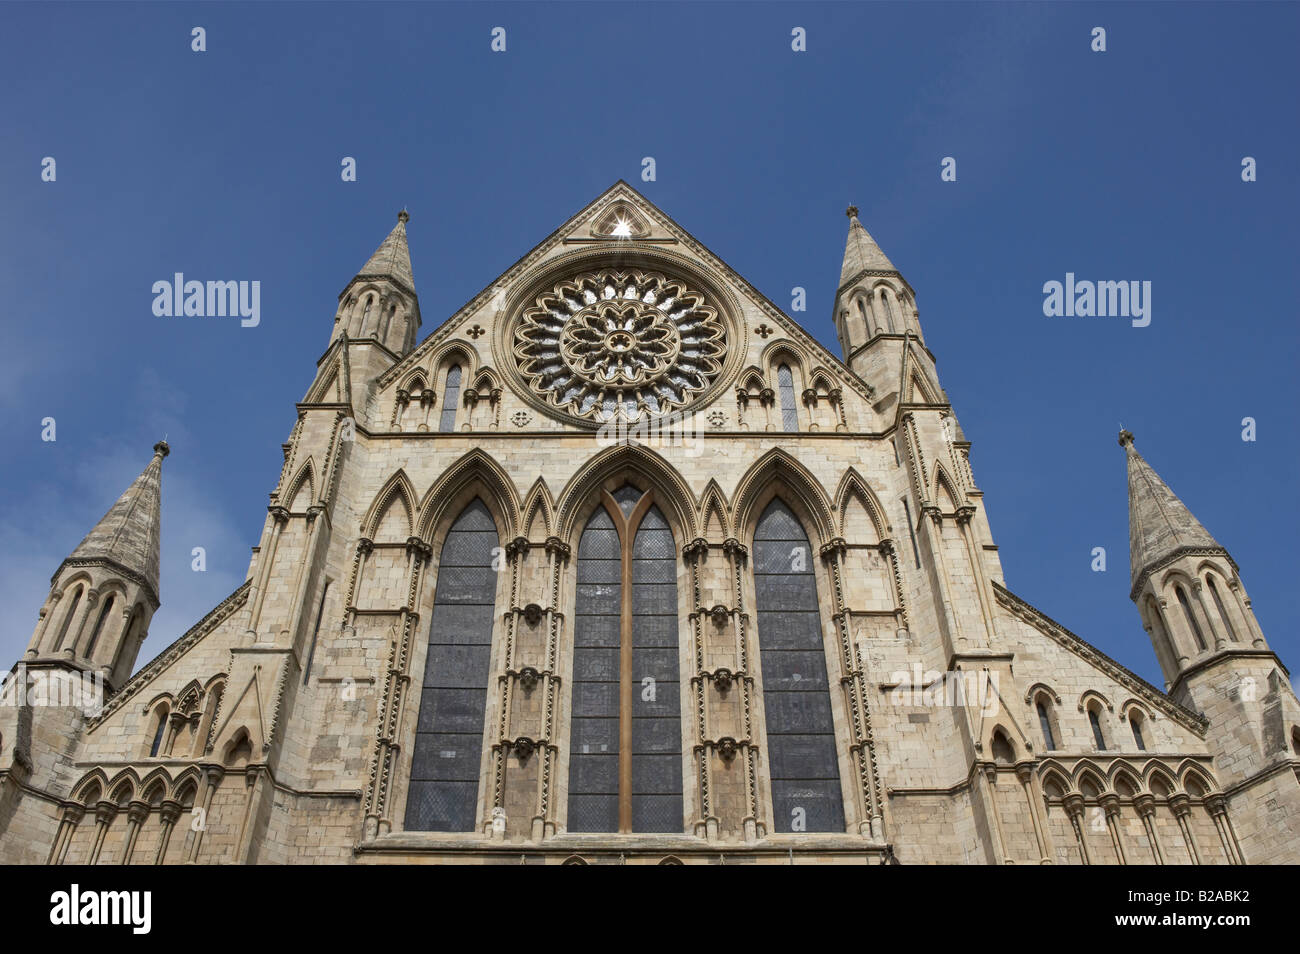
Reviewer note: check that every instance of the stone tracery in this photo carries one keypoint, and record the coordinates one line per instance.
(609, 344)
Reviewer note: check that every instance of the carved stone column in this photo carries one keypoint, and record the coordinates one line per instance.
(1025, 775)
(167, 814)
(364, 547)
(862, 748)
(396, 682)
(73, 635)
(543, 825)
(737, 555)
(1074, 809)
(991, 777)
(1217, 806)
(1110, 805)
(212, 775)
(1146, 809)
(136, 813)
(1182, 808)
(105, 812)
(71, 818)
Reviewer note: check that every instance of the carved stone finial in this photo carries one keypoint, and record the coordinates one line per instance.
(1125, 438)
(403, 216)
(851, 211)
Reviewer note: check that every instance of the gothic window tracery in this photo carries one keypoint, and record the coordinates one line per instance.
(606, 345)
(625, 772)
(444, 780)
(806, 794)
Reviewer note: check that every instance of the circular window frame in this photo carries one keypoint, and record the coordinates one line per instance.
(524, 292)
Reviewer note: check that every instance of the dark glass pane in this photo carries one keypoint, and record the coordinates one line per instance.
(450, 400)
(785, 384)
(448, 747)
(441, 806)
(802, 756)
(656, 689)
(593, 812)
(626, 498)
(597, 627)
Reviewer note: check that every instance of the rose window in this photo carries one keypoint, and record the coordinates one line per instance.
(619, 344)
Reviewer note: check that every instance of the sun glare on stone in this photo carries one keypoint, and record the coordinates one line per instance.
(622, 229)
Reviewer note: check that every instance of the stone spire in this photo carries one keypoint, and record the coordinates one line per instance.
(128, 536)
(861, 251)
(392, 260)
(1159, 525)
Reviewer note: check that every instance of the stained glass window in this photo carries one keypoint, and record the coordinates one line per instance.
(801, 753)
(449, 733)
(450, 400)
(646, 699)
(785, 385)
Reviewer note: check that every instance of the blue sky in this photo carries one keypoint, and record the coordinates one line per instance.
(225, 164)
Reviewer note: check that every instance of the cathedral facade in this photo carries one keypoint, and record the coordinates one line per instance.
(618, 564)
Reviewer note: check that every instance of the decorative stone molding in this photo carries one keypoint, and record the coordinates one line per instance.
(629, 343)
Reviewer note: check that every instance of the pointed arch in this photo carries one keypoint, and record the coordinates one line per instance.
(326, 390)
(538, 511)
(853, 485)
(475, 473)
(124, 787)
(713, 513)
(485, 379)
(1156, 773)
(304, 477)
(1121, 771)
(1188, 771)
(1000, 746)
(777, 473)
(1055, 780)
(671, 491)
(186, 785)
(1086, 775)
(944, 484)
(397, 490)
(798, 713)
(94, 782)
(154, 787)
(416, 381)
(752, 380)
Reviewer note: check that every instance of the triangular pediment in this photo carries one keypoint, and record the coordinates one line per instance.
(653, 232)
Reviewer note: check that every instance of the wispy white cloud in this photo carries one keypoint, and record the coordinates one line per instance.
(36, 536)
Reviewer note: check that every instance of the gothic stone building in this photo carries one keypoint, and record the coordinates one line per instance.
(619, 564)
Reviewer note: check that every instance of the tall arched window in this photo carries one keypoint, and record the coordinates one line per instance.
(806, 794)
(158, 732)
(67, 618)
(785, 387)
(1135, 720)
(364, 315)
(1045, 724)
(1191, 618)
(1094, 720)
(443, 792)
(99, 628)
(889, 311)
(1223, 613)
(625, 762)
(450, 400)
